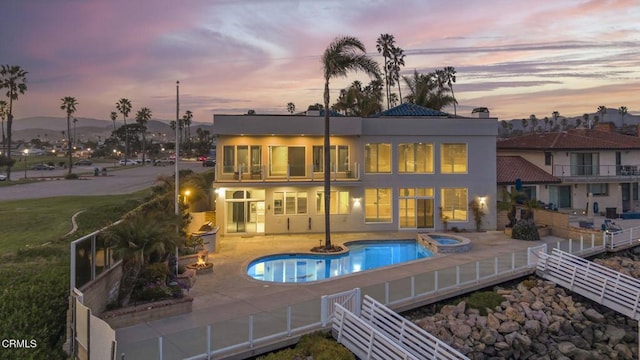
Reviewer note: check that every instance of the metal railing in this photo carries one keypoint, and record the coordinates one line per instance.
(596, 172)
(259, 173)
(622, 239)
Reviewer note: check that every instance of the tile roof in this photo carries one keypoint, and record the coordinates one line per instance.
(409, 109)
(575, 139)
(510, 168)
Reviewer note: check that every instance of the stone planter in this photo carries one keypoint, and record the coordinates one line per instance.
(138, 314)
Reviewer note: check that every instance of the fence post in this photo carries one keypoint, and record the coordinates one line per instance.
(386, 293)
(495, 266)
(251, 331)
(289, 320)
(477, 271)
(208, 342)
(457, 275)
(160, 348)
(513, 261)
(435, 281)
(358, 302)
(413, 286)
(323, 310)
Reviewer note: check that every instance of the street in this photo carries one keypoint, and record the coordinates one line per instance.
(120, 181)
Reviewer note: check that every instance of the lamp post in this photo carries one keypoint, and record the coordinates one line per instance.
(26, 153)
(114, 158)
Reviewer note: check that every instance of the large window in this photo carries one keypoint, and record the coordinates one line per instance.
(454, 204)
(584, 164)
(377, 205)
(289, 202)
(600, 189)
(242, 158)
(339, 202)
(453, 158)
(343, 158)
(415, 158)
(415, 207)
(377, 158)
(282, 158)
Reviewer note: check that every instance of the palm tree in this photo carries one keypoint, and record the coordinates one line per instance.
(75, 133)
(124, 107)
(343, 55)
(622, 110)
(397, 60)
(187, 119)
(534, 122)
(114, 116)
(555, 115)
(291, 108)
(384, 44)
(142, 118)
(14, 79)
(449, 74)
(69, 104)
(602, 110)
(428, 90)
(3, 115)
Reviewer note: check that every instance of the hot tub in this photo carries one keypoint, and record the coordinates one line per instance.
(440, 243)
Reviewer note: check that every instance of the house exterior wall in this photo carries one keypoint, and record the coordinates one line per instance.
(306, 131)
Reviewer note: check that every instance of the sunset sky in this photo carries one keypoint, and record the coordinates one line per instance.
(515, 57)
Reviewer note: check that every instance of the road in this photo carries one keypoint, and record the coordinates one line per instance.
(120, 181)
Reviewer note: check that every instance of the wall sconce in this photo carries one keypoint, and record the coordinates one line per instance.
(356, 202)
(483, 201)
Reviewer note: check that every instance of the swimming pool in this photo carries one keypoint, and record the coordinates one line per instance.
(362, 256)
(444, 240)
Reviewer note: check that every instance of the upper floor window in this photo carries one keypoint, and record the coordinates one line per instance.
(242, 158)
(285, 160)
(339, 202)
(585, 164)
(415, 158)
(377, 158)
(453, 158)
(342, 152)
(548, 158)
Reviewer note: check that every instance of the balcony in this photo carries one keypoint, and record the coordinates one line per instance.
(292, 173)
(597, 173)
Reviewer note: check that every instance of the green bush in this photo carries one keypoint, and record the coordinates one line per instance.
(318, 345)
(154, 273)
(483, 300)
(525, 230)
(151, 293)
(72, 176)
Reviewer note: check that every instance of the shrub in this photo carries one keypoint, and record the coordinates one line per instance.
(483, 300)
(151, 293)
(154, 273)
(318, 346)
(525, 230)
(72, 176)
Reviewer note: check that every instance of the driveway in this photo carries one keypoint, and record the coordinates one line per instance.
(120, 181)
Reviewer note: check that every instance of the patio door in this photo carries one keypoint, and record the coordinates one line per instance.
(245, 214)
(416, 213)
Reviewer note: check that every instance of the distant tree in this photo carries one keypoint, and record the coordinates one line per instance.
(622, 110)
(505, 126)
(3, 115)
(124, 107)
(75, 133)
(397, 61)
(534, 122)
(525, 124)
(449, 74)
(578, 122)
(69, 104)
(291, 108)
(142, 118)
(564, 123)
(602, 110)
(428, 90)
(393, 99)
(14, 79)
(547, 122)
(343, 54)
(596, 120)
(114, 117)
(251, 112)
(585, 116)
(384, 44)
(555, 115)
(187, 119)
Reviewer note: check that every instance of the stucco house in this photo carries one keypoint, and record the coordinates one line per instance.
(577, 163)
(402, 169)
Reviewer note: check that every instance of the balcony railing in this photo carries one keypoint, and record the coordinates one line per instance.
(597, 172)
(262, 173)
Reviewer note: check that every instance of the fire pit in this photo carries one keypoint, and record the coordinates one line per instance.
(202, 266)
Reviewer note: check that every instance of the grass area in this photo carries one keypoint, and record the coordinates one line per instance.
(35, 222)
(35, 279)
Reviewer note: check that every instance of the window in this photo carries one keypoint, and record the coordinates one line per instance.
(548, 158)
(343, 158)
(283, 158)
(289, 203)
(339, 202)
(244, 158)
(584, 164)
(531, 192)
(377, 205)
(415, 158)
(454, 204)
(453, 158)
(598, 189)
(377, 158)
(416, 208)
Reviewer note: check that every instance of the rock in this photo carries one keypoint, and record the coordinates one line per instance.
(532, 327)
(538, 305)
(623, 351)
(615, 335)
(493, 322)
(489, 336)
(593, 315)
(461, 331)
(508, 327)
(566, 348)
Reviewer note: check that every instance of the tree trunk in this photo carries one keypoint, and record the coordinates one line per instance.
(327, 171)
(130, 272)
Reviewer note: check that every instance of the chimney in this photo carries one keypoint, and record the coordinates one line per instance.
(483, 112)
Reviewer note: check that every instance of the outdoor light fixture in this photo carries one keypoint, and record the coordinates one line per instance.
(356, 202)
(482, 200)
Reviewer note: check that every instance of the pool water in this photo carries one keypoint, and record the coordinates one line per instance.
(362, 256)
(443, 240)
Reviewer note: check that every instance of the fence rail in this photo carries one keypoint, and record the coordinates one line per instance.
(622, 239)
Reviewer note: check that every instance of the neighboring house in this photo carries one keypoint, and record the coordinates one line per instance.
(598, 161)
(393, 171)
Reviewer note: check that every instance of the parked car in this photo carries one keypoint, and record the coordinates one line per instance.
(202, 158)
(3, 177)
(164, 161)
(128, 162)
(83, 162)
(42, 167)
(209, 163)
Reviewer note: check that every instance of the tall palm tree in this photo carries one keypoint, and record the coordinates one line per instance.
(3, 115)
(75, 133)
(343, 54)
(188, 119)
(124, 107)
(114, 117)
(449, 74)
(142, 118)
(602, 110)
(69, 104)
(14, 79)
(622, 110)
(384, 44)
(291, 108)
(428, 90)
(397, 60)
